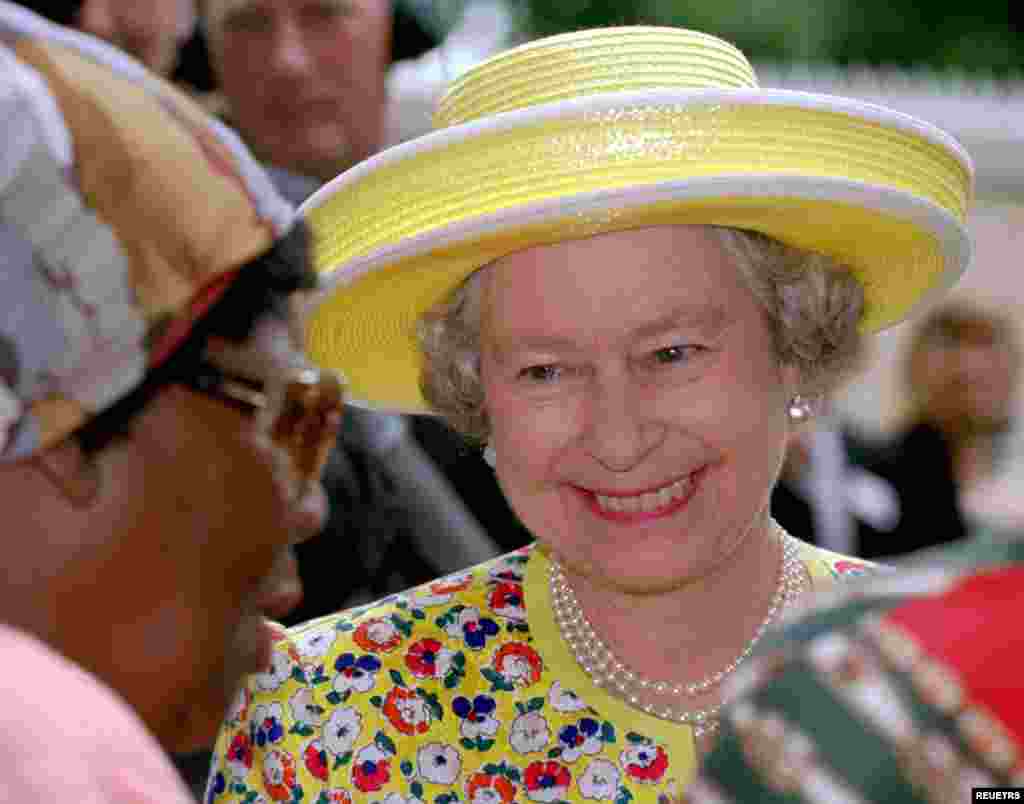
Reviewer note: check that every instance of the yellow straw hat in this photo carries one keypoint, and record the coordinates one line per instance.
(612, 129)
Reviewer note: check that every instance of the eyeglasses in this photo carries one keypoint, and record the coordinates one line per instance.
(302, 410)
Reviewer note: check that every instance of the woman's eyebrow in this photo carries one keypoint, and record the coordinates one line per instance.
(708, 320)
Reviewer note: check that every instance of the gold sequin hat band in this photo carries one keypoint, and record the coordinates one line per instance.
(620, 128)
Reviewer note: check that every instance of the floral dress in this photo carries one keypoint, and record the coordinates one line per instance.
(450, 692)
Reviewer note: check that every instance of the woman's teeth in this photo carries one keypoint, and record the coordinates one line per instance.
(646, 502)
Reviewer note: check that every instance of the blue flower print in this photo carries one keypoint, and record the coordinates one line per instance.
(582, 738)
(478, 725)
(466, 622)
(267, 724)
(218, 784)
(355, 674)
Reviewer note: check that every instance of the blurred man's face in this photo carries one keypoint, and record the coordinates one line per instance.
(304, 79)
(968, 381)
(150, 30)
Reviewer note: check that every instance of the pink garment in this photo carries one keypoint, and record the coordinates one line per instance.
(65, 736)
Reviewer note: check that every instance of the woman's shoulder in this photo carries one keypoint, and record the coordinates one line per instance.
(828, 566)
(494, 584)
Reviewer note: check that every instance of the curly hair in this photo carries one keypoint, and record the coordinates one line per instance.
(813, 305)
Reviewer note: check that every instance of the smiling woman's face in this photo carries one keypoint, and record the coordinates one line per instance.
(636, 404)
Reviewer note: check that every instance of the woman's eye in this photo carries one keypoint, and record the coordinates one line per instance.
(675, 354)
(540, 374)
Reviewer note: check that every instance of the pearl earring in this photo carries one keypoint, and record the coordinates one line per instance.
(490, 458)
(800, 408)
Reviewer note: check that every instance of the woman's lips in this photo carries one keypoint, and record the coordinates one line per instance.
(676, 503)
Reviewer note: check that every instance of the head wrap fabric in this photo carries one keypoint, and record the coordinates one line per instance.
(121, 204)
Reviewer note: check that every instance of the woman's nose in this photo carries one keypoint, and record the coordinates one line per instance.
(618, 431)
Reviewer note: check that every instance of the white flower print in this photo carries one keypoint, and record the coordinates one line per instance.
(239, 708)
(273, 768)
(563, 700)
(530, 733)
(468, 615)
(356, 675)
(279, 672)
(483, 726)
(305, 710)
(486, 795)
(443, 662)
(440, 592)
(506, 569)
(517, 668)
(438, 763)
(584, 745)
(600, 780)
(267, 721)
(413, 710)
(342, 730)
(397, 798)
(424, 599)
(316, 642)
(381, 632)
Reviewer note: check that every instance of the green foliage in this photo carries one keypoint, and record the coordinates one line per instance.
(980, 36)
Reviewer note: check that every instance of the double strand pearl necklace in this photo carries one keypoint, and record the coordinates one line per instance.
(606, 670)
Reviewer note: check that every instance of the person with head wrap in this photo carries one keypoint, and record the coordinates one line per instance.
(161, 433)
(631, 274)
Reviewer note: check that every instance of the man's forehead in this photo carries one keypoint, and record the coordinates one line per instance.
(217, 12)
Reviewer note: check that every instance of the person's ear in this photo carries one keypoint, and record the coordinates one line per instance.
(71, 472)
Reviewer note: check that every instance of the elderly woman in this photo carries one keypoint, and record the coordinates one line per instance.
(631, 274)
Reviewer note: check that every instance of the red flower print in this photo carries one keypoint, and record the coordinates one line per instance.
(421, 658)
(378, 635)
(851, 568)
(452, 584)
(371, 769)
(279, 775)
(644, 763)
(547, 781)
(488, 781)
(407, 711)
(518, 662)
(316, 760)
(240, 753)
(506, 600)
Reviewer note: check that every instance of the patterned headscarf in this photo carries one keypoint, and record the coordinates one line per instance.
(125, 212)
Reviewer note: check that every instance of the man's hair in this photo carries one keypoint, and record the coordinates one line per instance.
(62, 12)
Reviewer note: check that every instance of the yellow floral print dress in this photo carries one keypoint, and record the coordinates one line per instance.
(457, 691)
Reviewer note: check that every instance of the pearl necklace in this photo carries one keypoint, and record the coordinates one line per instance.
(606, 670)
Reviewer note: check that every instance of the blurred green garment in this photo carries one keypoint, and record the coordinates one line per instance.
(903, 688)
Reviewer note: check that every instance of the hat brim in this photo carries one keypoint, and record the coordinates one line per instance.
(881, 193)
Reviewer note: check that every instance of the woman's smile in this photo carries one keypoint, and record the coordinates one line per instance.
(642, 506)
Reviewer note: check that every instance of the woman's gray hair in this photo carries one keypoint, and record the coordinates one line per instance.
(812, 302)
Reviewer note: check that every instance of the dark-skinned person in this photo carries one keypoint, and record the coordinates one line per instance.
(161, 433)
